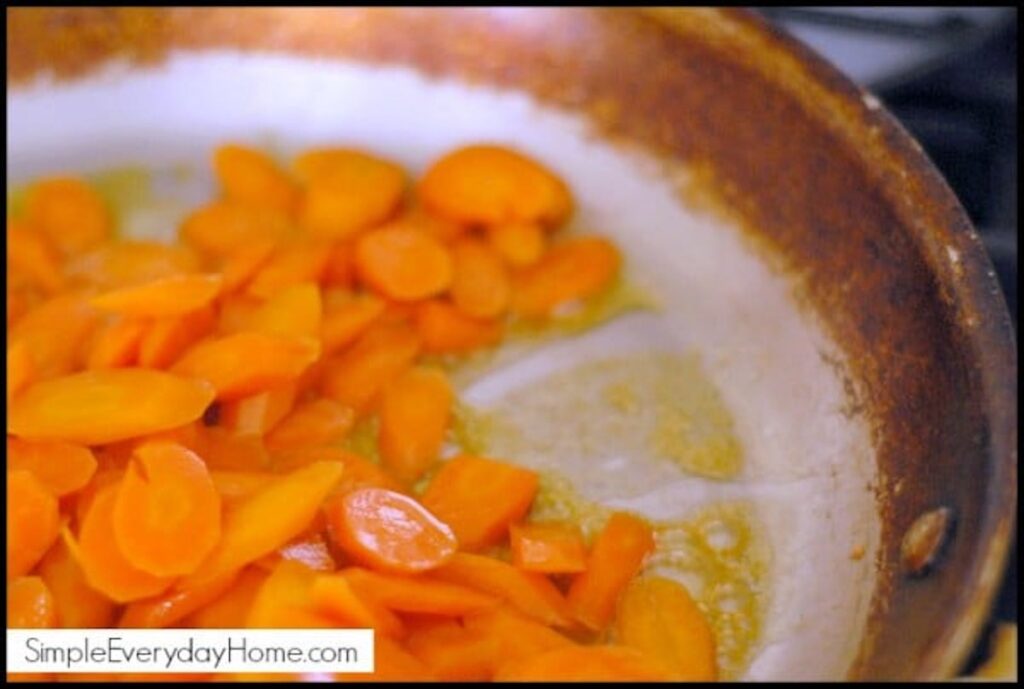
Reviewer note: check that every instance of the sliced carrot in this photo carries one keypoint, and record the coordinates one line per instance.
(129, 262)
(657, 616)
(97, 407)
(389, 531)
(79, 606)
(414, 413)
(359, 471)
(530, 593)
(104, 476)
(268, 519)
(170, 608)
(284, 601)
(521, 244)
(487, 184)
(344, 322)
(355, 378)
(223, 228)
(517, 636)
(257, 414)
(293, 264)
(117, 344)
(615, 558)
(294, 311)
(550, 547)
(481, 287)
(420, 219)
(166, 339)
(391, 663)
(403, 264)
(69, 213)
(29, 253)
(20, 368)
(170, 296)
(32, 522)
(231, 609)
(569, 272)
(233, 485)
(341, 266)
(479, 498)
(417, 594)
(245, 262)
(19, 301)
(310, 549)
(584, 664)
(446, 330)
(455, 653)
(30, 605)
(105, 567)
(252, 178)
(334, 596)
(246, 363)
(224, 450)
(68, 314)
(167, 514)
(62, 468)
(320, 422)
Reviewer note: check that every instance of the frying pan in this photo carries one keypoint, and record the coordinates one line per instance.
(797, 238)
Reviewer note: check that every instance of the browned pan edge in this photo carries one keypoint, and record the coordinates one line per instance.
(841, 198)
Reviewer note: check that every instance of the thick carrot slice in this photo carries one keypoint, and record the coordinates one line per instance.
(389, 531)
(246, 363)
(481, 287)
(257, 414)
(455, 653)
(485, 184)
(530, 593)
(79, 606)
(293, 264)
(479, 498)
(517, 636)
(359, 471)
(171, 296)
(584, 664)
(223, 228)
(172, 607)
(344, 322)
(310, 550)
(657, 616)
(167, 515)
(320, 422)
(403, 264)
(334, 596)
(30, 605)
(251, 177)
(68, 314)
(268, 519)
(284, 600)
(129, 262)
(446, 330)
(62, 468)
(415, 409)
(97, 407)
(417, 594)
(105, 567)
(419, 219)
(341, 266)
(69, 213)
(391, 663)
(32, 522)
(233, 485)
(30, 254)
(224, 450)
(245, 262)
(615, 557)
(166, 339)
(294, 311)
(20, 368)
(230, 610)
(550, 547)
(521, 244)
(570, 271)
(356, 377)
(117, 344)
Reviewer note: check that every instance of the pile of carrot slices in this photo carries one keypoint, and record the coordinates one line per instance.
(178, 415)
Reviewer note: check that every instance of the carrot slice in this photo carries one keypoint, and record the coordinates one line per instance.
(246, 363)
(657, 616)
(570, 271)
(68, 314)
(172, 607)
(389, 531)
(334, 596)
(117, 344)
(170, 296)
(79, 606)
(344, 322)
(223, 228)
(402, 264)
(310, 550)
(530, 593)
(69, 213)
(320, 422)
(129, 262)
(233, 485)
(487, 184)
(29, 253)
(30, 605)
(481, 287)
(252, 178)
(166, 339)
(97, 407)
(417, 594)
(292, 265)
(419, 219)
(230, 610)
(584, 664)
(521, 244)
(616, 556)
(550, 547)
(224, 450)
(517, 636)
(32, 522)
(257, 414)
(62, 468)
(106, 568)
(391, 663)
(167, 514)
(294, 311)
(20, 368)
(284, 601)
(455, 653)
(245, 262)
(341, 266)
(359, 471)
(479, 498)
(356, 377)
(446, 330)
(415, 409)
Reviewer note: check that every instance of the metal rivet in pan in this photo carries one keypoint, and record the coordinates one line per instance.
(924, 541)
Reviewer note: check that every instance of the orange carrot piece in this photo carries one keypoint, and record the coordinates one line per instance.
(224, 450)
(479, 498)
(584, 664)
(69, 213)
(415, 409)
(79, 606)
(334, 596)
(32, 522)
(97, 407)
(310, 550)
(129, 262)
(246, 363)
(320, 422)
(170, 608)
(244, 263)
(517, 636)
(29, 253)
(167, 514)
(355, 378)
(389, 531)
(392, 663)
(117, 344)
(294, 311)
(530, 593)
(446, 330)
(346, 321)
(105, 567)
(615, 558)
(293, 264)
(455, 653)
(68, 314)
(166, 339)
(403, 264)
(257, 414)
(223, 228)
(233, 485)
(170, 296)
(420, 219)
(520, 244)
(284, 601)
(20, 368)
(251, 177)
(341, 266)
(486, 184)
(30, 605)
(481, 287)
(230, 610)
(657, 616)
(417, 594)
(549, 547)
(359, 471)
(569, 272)
(62, 468)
